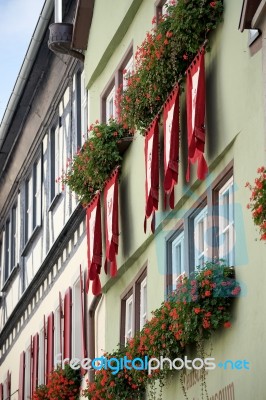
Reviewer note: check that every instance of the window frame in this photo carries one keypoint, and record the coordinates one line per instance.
(34, 192)
(207, 203)
(114, 84)
(133, 291)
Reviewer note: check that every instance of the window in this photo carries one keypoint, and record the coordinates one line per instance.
(200, 237)
(118, 81)
(77, 338)
(80, 110)
(9, 244)
(41, 363)
(33, 199)
(162, 6)
(252, 35)
(57, 336)
(27, 385)
(226, 222)
(134, 307)
(207, 231)
(110, 104)
(143, 303)
(127, 70)
(129, 318)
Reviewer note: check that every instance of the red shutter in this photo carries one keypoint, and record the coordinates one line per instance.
(67, 323)
(21, 377)
(44, 348)
(35, 355)
(1, 391)
(50, 345)
(83, 336)
(8, 385)
(60, 325)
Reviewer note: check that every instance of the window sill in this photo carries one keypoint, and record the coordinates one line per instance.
(31, 240)
(54, 201)
(10, 278)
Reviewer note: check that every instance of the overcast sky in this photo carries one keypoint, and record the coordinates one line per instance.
(18, 19)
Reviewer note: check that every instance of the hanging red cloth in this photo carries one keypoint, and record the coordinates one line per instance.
(94, 245)
(152, 172)
(111, 222)
(196, 116)
(171, 144)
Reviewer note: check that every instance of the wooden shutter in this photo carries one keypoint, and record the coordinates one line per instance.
(21, 377)
(83, 335)
(50, 345)
(67, 323)
(8, 385)
(1, 391)
(35, 356)
(44, 349)
(61, 315)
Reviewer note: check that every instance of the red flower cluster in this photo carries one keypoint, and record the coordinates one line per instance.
(198, 306)
(63, 384)
(257, 203)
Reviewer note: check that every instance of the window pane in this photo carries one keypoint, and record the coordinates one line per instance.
(13, 236)
(7, 250)
(200, 237)
(226, 222)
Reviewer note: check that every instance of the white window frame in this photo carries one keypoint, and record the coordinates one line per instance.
(77, 351)
(27, 384)
(41, 361)
(177, 270)
(129, 67)
(226, 222)
(143, 303)
(252, 35)
(84, 109)
(33, 199)
(57, 322)
(200, 242)
(110, 99)
(129, 321)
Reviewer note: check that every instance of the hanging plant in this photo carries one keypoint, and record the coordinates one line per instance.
(100, 154)
(164, 56)
(257, 202)
(63, 384)
(198, 307)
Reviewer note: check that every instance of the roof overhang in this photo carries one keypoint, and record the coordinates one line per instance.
(82, 24)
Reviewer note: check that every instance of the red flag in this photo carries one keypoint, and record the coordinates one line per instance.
(196, 115)
(94, 245)
(111, 222)
(152, 171)
(171, 143)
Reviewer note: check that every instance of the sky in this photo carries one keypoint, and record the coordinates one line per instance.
(18, 19)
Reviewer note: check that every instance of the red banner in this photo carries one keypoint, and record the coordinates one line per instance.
(196, 116)
(94, 245)
(171, 144)
(111, 222)
(152, 171)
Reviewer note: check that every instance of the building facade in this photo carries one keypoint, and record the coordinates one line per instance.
(45, 310)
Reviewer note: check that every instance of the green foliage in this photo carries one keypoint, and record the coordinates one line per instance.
(198, 307)
(92, 165)
(164, 56)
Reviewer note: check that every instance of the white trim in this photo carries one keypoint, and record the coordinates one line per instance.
(129, 318)
(143, 302)
(178, 265)
(226, 222)
(200, 239)
(110, 104)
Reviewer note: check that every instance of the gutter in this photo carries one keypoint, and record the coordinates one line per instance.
(26, 67)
